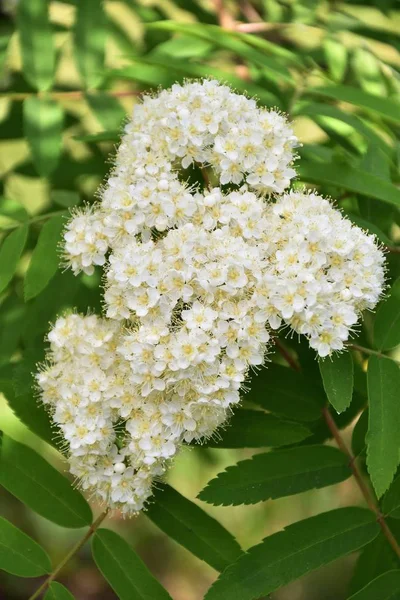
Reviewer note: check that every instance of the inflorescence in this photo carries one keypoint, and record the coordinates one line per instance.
(195, 280)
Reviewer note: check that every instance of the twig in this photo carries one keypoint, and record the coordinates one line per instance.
(372, 352)
(368, 496)
(250, 12)
(224, 18)
(70, 554)
(366, 492)
(252, 27)
(286, 355)
(33, 220)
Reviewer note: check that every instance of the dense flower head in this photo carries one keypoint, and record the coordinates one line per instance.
(195, 281)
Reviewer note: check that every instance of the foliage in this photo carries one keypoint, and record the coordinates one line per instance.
(71, 73)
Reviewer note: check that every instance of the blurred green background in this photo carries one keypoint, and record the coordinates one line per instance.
(291, 48)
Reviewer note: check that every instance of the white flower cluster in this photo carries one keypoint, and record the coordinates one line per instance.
(195, 279)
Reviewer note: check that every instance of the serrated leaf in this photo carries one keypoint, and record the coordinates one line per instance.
(384, 587)
(43, 123)
(37, 48)
(388, 109)
(376, 558)
(289, 554)
(31, 479)
(257, 429)
(123, 569)
(384, 422)
(387, 322)
(350, 178)
(277, 474)
(391, 500)
(338, 379)
(194, 529)
(10, 253)
(90, 34)
(286, 393)
(45, 258)
(57, 591)
(20, 554)
(107, 109)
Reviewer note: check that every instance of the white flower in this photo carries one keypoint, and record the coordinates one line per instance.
(195, 279)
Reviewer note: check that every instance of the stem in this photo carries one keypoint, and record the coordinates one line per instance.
(33, 220)
(286, 355)
(205, 176)
(372, 352)
(224, 18)
(72, 95)
(366, 492)
(70, 554)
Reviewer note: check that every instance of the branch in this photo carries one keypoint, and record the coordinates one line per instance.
(371, 352)
(92, 529)
(366, 492)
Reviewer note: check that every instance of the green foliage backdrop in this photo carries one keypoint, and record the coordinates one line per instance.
(71, 73)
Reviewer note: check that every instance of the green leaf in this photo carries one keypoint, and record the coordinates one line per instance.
(337, 376)
(45, 259)
(257, 429)
(384, 587)
(194, 529)
(376, 558)
(387, 322)
(388, 109)
(286, 393)
(102, 136)
(289, 554)
(384, 422)
(107, 109)
(184, 46)
(350, 178)
(43, 123)
(29, 477)
(37, 48)
(335, 54)
(316, 109)
(20, 397)
(57, 591)
(391, 500)
(20, 554)
(12, 323)
(228, 40)
(277, 474)
(124, 570)
(367, 71)
(90, 34)
(10, 253)
(154, 70)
